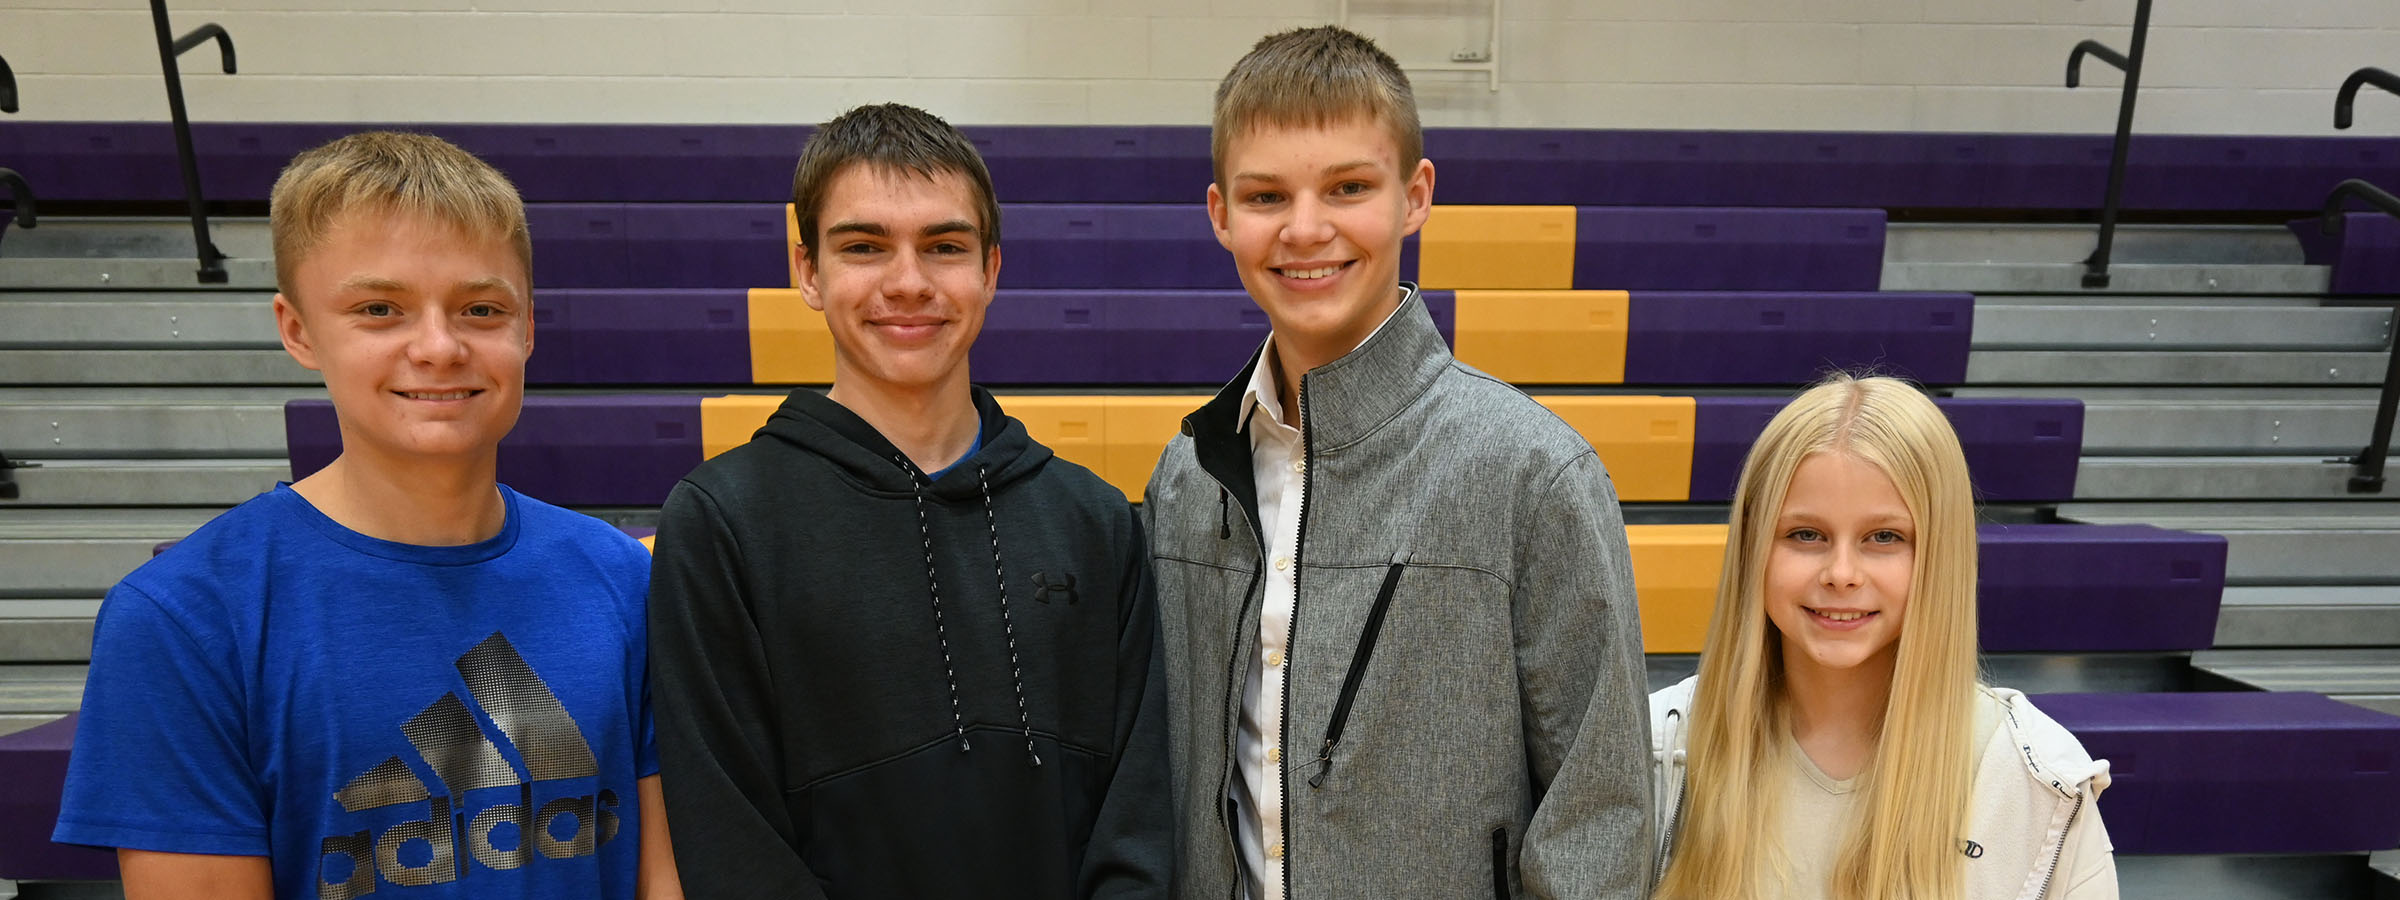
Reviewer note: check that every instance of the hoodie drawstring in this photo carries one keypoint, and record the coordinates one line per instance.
(1016, 672)
(918, 483)
(933, 586)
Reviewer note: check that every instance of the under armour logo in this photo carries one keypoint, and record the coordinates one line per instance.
(1045, 587)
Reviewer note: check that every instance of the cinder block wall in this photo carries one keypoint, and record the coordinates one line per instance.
(2218, 66)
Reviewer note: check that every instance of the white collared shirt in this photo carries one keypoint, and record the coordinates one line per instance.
(1279, 466)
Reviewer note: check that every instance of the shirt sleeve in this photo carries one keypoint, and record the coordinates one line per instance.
(720, 754)
(1586, 703)
(161, 757)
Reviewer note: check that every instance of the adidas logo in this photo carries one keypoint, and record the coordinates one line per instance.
(499, 837)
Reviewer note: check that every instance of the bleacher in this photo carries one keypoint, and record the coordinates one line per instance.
(2172, 558)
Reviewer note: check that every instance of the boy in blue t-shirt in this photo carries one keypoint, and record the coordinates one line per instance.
(394, 677)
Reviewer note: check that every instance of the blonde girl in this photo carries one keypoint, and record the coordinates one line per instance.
(1838, 742)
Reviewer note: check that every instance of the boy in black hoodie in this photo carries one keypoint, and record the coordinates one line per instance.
(899, 649)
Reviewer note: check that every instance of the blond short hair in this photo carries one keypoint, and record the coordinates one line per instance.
(394, 173)
(1313, 77)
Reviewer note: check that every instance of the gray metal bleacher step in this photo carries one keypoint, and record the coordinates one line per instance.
(152, 367)
(2298, 616)
(146, 482)
(41, 689)
(150, 422)
(2277, 542)
(2214, 420)
(69, 253)
(2166, 368)
(2313, 477)
(172, 319)
(2365, 676)
(2063, 323)
(79, 553)
(2135, 243)
(2148, 259)
(46, 630)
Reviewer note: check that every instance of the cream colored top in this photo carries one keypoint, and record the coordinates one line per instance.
(1817, 810)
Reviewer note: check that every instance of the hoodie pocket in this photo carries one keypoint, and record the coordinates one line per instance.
(1357, 674)
(1500, 863)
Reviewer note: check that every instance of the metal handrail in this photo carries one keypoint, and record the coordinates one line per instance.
(8, 87)
(2350, 86)
(20, 195)
(212, 262)
(2095, 273)
(2367, 477)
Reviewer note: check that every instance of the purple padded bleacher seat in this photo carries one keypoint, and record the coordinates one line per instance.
(1785, 338)
(2018, 450)
(571, 450)
(2365, 258)
(552, 163)
(33, 770)
(1721, 249)
(2247, 773)
(2098, 588)
(640, 337)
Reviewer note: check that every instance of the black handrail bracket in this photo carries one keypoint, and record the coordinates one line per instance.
(212, 262)
(2095, 273)
(2350, 86)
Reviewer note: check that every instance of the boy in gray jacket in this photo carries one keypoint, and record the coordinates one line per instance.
(1402, 649)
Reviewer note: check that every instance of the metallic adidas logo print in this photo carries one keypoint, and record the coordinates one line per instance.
(499, 837)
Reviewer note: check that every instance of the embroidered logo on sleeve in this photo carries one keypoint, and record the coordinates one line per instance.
(500, 836)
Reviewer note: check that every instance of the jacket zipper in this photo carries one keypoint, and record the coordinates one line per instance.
(2062, 848)
(1291, 638)
(1357, 674)
(1232, 682)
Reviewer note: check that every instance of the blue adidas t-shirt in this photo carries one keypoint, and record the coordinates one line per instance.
(378, 718)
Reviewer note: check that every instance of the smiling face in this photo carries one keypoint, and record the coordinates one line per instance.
(421, 331)
(902, 275)
(1314, 217)
(1837, 573)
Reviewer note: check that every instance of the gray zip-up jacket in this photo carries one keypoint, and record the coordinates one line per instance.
(1466, 711)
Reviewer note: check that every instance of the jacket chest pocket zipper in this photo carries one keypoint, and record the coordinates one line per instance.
(1500, 863)
(1357, 673)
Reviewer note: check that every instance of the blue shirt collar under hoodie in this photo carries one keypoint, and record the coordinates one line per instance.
(1002, 454)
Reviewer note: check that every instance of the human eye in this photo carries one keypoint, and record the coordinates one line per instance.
(1352, 188)
(483, 311)
(1804, 535)
(1264, 198)
(1888, 536)
(378, 309)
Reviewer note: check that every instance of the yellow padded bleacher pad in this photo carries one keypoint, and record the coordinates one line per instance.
(791, 239)
(727, 422)
(650, 543)
(1646, 442)
(789, 343)
(1497, 248)
(1675, 571)
(1119, 438)
(1545, 337)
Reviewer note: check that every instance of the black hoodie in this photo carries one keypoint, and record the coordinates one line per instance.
(869, 686)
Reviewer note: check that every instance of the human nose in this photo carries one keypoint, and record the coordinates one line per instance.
(1308, 224)
(436, 342)
(905, 278)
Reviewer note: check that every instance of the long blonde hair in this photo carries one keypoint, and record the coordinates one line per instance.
(1914, 792)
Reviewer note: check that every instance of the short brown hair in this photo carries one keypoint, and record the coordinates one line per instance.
(393, 172)
(1312, 77)
(894, 138)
